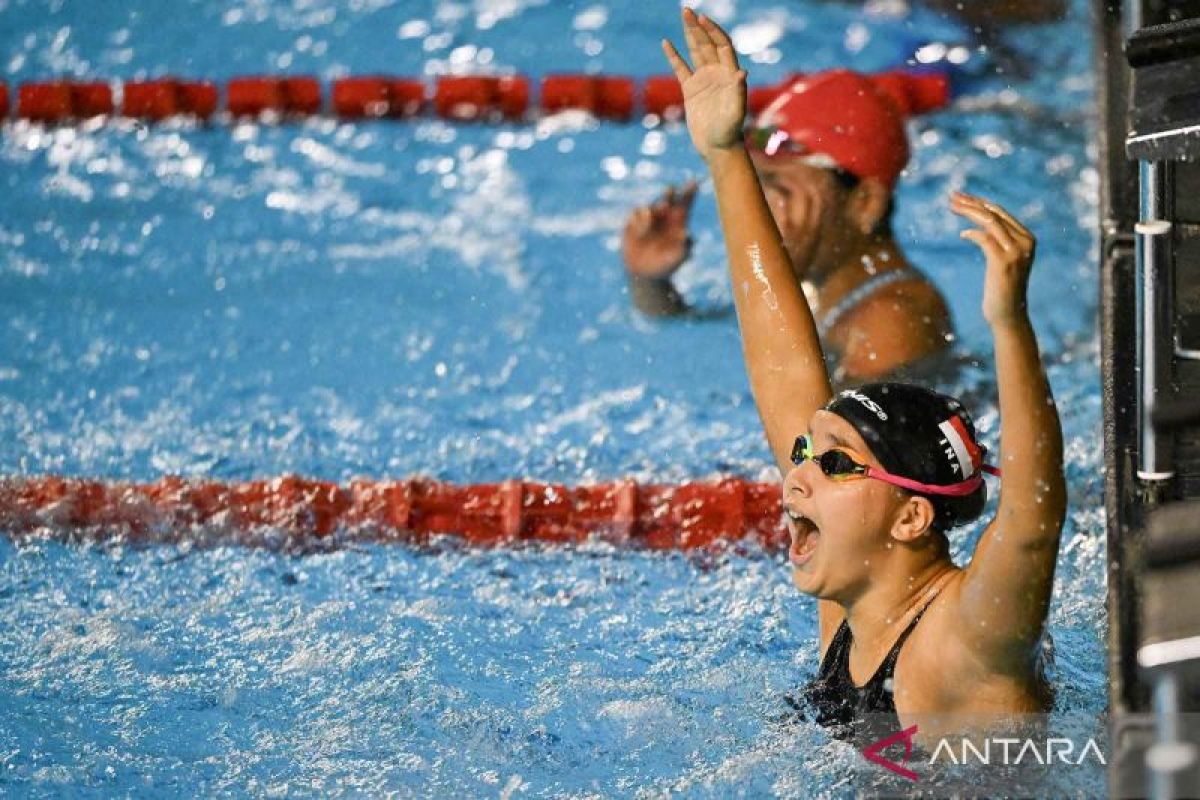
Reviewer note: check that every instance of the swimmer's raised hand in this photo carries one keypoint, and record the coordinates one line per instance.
(1013, 565)
(714, 87)
(655, 241)
(1009, 248)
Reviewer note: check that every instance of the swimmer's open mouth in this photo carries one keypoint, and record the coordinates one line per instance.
(805, 537)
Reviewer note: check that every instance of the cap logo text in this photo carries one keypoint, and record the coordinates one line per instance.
(870, 404)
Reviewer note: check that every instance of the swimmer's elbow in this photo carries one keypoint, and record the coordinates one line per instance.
(1032, 531)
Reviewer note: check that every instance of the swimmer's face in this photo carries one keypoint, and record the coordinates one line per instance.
(838, 528)
(817, 216)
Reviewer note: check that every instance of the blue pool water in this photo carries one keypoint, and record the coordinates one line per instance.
(389, 299)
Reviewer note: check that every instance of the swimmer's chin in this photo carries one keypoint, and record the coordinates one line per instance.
(802, 579)
(799, 582)
(811, 586)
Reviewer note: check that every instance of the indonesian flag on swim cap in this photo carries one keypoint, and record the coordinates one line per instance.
(965, 456)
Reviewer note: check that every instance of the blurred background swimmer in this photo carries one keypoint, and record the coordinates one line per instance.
(828, 151)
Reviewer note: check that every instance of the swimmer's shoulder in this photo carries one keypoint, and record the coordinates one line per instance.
(943, 670)
(913, 298)
(898, 325)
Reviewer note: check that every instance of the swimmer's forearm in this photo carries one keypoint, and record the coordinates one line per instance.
(774, 313)
(779, 337)
(1032, 489)
(1012, 570)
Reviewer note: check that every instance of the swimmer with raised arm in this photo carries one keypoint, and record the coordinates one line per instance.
(875, 477)
(829, 151)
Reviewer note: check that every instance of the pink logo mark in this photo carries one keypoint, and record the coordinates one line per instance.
(872, 753)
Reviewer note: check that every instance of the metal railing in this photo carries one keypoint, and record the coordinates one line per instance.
(1155, 276)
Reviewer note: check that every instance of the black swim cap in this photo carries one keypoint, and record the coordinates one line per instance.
(922, 435)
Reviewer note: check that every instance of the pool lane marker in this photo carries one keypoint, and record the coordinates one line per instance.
(460, 98)
(300, 510)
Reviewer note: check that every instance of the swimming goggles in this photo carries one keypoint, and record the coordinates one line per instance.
(773, 141)
(839, 464)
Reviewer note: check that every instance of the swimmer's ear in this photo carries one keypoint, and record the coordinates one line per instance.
(914, 518)
(868, 204)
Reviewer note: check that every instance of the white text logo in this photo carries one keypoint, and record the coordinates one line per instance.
(868, 402)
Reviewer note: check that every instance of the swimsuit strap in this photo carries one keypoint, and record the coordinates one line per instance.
(840, 705)
(861, 292)
(838, 652)
(837, 657)
(888, 667)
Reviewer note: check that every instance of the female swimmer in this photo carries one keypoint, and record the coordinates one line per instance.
(875, 477)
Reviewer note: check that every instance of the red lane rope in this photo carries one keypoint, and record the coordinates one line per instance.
(451, 97)
(682, 516)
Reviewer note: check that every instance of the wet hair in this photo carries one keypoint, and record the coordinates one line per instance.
(905, 426)
(848, 181)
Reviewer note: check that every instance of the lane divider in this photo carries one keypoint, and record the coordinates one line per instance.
(452, 97)
(683, 516)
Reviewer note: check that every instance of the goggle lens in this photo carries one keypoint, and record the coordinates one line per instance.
(771, 141)
(839, 465)
(801, 450)
(834, 464)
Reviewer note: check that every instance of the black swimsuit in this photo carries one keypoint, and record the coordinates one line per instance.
(847, 709)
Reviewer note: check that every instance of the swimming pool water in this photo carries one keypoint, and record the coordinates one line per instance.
(387, 299)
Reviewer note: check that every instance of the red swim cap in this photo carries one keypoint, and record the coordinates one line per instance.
(842, 115)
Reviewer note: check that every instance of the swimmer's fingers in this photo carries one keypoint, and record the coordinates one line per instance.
(667, 211)
(678, 65)
(689, 193)
(700, 45)
(995, 208)
(1003, 212)
(724, 45)
(686, 194)
(992, 250)
(640, 221)
(676, 198)
(1021, 236)
(972, 209)
(1025, 241)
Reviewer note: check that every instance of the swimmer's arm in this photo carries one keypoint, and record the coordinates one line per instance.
(654, 244)
(1007, 587)
(779, 338)
(1006, 590)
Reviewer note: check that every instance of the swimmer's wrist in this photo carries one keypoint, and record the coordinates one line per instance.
(1015, 320)
(649, 282)
(717, 158)
(655, 297)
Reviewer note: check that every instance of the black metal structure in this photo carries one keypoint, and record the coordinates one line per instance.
(1148, 64)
